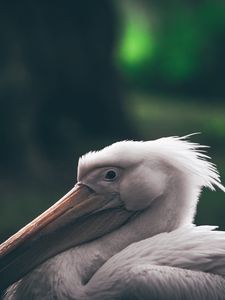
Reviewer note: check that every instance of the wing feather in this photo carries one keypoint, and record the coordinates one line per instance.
(187, 263)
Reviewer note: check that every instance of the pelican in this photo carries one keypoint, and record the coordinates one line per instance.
(124, 231)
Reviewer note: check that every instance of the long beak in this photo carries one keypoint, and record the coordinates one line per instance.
(80, 216)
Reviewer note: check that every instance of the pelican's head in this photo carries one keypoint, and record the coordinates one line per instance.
(125, 173)
(113, 186)
(138, 173)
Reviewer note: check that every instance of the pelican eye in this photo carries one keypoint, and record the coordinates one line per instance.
(110, 175)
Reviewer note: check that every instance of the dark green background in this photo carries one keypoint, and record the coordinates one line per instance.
(78, 75)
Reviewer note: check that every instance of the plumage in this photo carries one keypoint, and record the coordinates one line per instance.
(155, 252)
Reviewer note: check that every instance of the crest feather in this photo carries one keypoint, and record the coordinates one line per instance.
(179, 152)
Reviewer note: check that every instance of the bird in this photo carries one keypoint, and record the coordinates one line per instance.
(125, 230)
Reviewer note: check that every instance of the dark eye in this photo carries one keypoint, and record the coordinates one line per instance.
(110, 175)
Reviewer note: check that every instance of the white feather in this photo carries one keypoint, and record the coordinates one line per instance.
(166, 266)
(190, 247)
(178, 152)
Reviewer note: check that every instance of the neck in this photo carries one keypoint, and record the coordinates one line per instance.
(74, 268)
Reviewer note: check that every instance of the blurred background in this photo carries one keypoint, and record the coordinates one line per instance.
(78, 75)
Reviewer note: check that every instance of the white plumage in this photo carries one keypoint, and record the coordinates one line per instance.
(157, 253)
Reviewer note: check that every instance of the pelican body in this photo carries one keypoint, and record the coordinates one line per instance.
(125, 231)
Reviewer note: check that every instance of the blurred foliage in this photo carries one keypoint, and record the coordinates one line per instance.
(136, 46)
(75, 76)
(179, 47)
